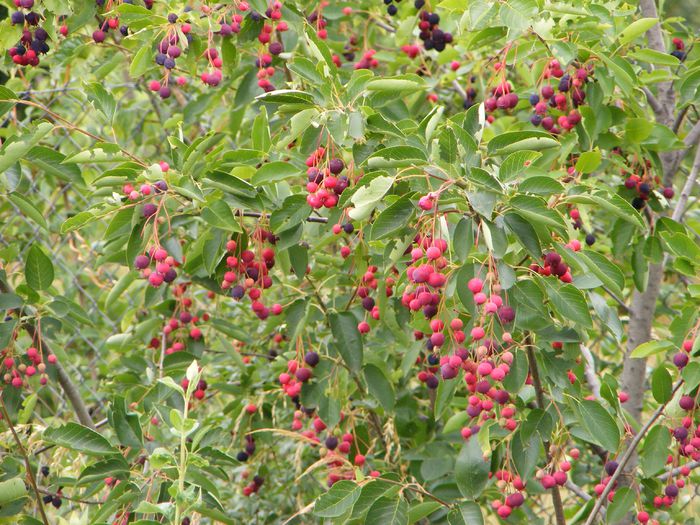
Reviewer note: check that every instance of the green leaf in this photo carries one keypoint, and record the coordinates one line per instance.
(622, 503)
(371, 492)
(261, 132)
(569, 303)
(9, 301)
(635, 29)
(396, 156)
(471, 471)
(38, 269)
(294, 211)
(443, 397)
(535, 211)
(588, 161)
(12, 152)
(691, 376)
(655, 451)
(11, 490)
(421, 510)
(141, 62)
(389, 511)
(114, 466)
(367, 197)
(347, 337)
(77, 221)
(28, 209)
(101, 99)
(517, 162)
(512, 141)
(638, 129)
(539, 421)
(599, 424)
(79, 438)
(219, 215)
(395, 85)
(661, 384)
(393, 219)
(380, 387)
(274, 172)
(652, 56)
(524, 233)
(467, 513)
(651, 348)
(338, 500)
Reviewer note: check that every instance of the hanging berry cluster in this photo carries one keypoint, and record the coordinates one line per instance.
(18, 371)
(324, 183)
(31, 44)
(569, 97)
(432, 36)
(249, 273)
(163, 270)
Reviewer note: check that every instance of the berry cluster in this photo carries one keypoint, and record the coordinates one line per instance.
(514, 486)
(643, 187)
(554, 265)
(297, 374)
(17, 373)
(426, 273)
(367, 61)
(569, 97)
(502, 97)
(679, 51)
(248, 449)
(200, 392)
(169, 49)
(324, 183)
(163, 270)
(432, 36)
(144, 191)
(249, 274)
(317, 20)
(31, 44)
(254, 486)
(370, 282)
(273, 24)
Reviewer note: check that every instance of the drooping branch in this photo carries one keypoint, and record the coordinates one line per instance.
(631, 449)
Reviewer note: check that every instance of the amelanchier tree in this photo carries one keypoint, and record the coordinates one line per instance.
(348, 262)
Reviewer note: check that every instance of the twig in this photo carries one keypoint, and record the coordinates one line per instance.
(675, 471)
(653, 102)
(322, 220)
(627, 455)
(27, 465)
(589, 371)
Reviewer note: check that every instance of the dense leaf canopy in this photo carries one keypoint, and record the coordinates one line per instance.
(348, 262)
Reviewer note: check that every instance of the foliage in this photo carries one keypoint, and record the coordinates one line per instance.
(347, 262)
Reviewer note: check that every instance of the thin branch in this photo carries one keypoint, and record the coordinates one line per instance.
(679, 210)
(627, 455)
(27, 465)
(459, 89)
(321, 220)
(589, 371)
(693, 136)
(675, 471)
(653, 102)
